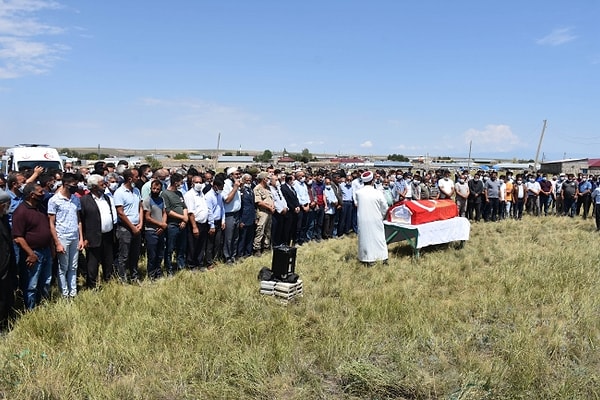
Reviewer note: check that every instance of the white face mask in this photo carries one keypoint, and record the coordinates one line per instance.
(149, 175)
(198, 187)
(56, 185)
(310, 182)
(113, 186)
(120, 169)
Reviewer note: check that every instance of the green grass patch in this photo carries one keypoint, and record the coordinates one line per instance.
(512, 315)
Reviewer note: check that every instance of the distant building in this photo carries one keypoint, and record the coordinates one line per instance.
(236, 159)
(568, 166)
(594, 166)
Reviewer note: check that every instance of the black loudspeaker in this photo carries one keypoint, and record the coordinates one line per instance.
(284, 261)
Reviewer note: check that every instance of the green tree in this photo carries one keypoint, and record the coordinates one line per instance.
(266, 156)
(181, 156)
(153, 162)
(397, 157)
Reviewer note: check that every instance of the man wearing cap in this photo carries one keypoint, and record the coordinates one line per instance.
(371, 210)
(265, 206)
(8, 263)
(233, 204)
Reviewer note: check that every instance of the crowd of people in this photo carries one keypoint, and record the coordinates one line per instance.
(103, 219)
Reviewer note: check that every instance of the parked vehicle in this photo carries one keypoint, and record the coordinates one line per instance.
(29, 156)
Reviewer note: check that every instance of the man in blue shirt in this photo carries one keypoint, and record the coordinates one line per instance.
(216, 222)
(584, 196)
(128, 204)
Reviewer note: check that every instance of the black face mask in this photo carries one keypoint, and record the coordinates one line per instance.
(72, 189)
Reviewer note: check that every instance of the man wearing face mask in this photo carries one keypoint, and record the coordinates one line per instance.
(66, 229)
(304, 200)
(475, 197)
(461, 189)
(15, 183)
(281, 210)
(8, 264)
(446, 186)
(122, 165)
(145, 173)
(533, 191)
(291, 217)
(177, 221)
(248, 218)
(198, 215)
(129, 226)
(98, 219)
(31, 232)
(493, 189)
(160, 174)
(214, 200)
(569, 195)
(265, 207)
(584, 196)
(47, 183)
(345, 222)
(112, 183)
(545, 194)
(233, 203)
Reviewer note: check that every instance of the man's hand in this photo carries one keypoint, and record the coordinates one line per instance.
(31, 260)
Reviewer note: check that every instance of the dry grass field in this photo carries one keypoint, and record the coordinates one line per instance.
(512, 315)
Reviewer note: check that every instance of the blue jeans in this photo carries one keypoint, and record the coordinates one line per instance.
(176, 243)
(35, 280)
(67, 267)
(155, 250)
(345, 224)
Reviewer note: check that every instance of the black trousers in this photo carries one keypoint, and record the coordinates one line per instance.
(196, 250)
(101, 255)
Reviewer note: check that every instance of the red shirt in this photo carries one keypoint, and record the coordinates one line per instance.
(32, 225)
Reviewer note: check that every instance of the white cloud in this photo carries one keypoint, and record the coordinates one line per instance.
(23, 50)
(557, 37)
(498, 138)
(368, 144)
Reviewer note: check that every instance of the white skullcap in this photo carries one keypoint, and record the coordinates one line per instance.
(231, 170)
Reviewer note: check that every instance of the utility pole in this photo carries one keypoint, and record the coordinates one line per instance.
(469, 162)
(537, 153)
(217, 155)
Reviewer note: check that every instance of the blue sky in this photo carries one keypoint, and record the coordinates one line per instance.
(347, 77)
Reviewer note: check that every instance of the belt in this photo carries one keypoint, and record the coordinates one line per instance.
(347, 201)
(231, 213)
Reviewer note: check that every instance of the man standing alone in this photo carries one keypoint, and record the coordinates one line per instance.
(371, 210)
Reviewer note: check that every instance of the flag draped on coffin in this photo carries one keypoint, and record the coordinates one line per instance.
(422, 211)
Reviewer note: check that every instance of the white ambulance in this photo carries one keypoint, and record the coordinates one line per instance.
(26, 156)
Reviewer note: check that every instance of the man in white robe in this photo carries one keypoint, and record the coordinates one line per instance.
(372, 208)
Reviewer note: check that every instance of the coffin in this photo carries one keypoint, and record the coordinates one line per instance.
(422, 211)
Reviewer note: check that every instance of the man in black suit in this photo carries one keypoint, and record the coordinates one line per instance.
(8, 263)
(98, 217)
(291, 217)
